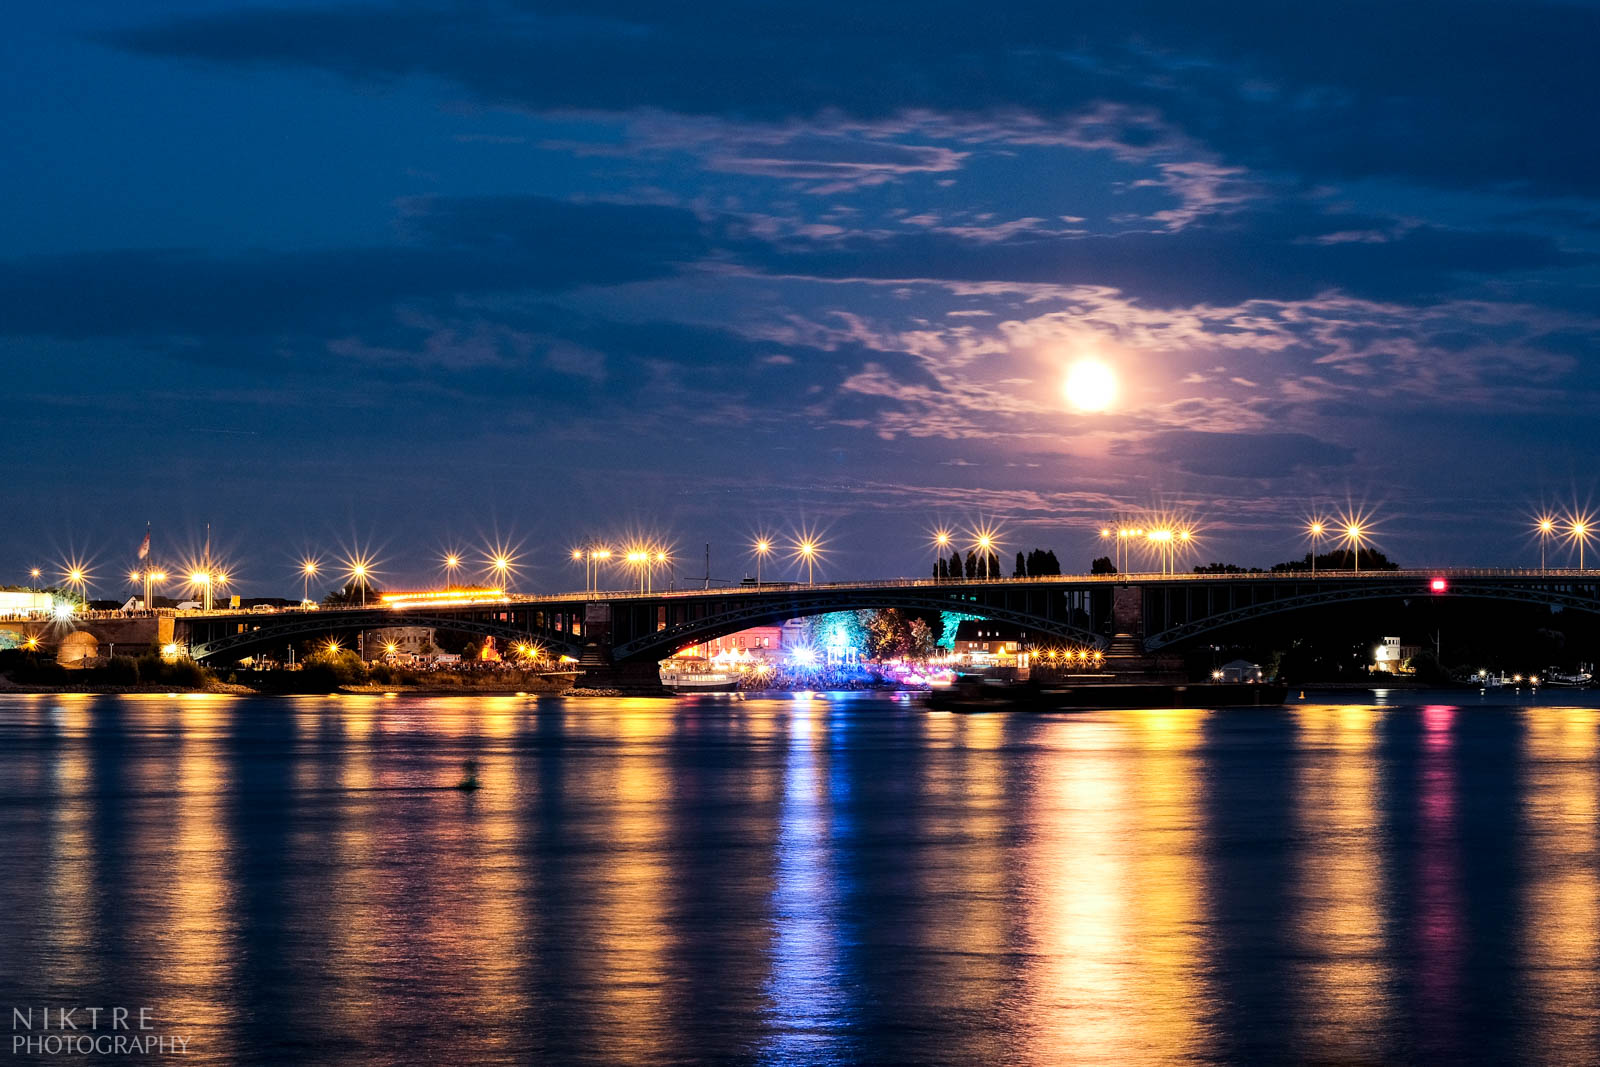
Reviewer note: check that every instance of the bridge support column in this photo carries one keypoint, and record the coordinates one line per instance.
(632, 679)
(640, 678)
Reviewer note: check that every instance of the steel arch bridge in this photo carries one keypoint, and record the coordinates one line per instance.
(728, 618)
(634, 628)
(1176, 612)
(236, 640)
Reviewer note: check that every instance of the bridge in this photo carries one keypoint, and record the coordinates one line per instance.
(620, 636)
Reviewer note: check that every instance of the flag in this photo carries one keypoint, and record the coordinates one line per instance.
(144, 546)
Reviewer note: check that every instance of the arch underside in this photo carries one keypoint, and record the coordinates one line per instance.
(280, 631)
(660, 644)
(1408, 591)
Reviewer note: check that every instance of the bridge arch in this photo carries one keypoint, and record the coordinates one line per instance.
(1576, 596)
(278, 629)
(662, 643)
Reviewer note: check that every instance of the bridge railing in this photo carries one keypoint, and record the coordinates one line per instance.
(520, 600)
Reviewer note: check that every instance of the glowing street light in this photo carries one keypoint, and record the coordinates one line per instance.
(308, 571)
(452, 563)
(358, 571)
(637, 559)
(1354, 534)
(591, 557)
(761, 548)
(1580, 527)
(1315, 530)
(34, 573)
(503, 565)
(1546, 526)
(807, 550)
(986, 542)
(201, 580)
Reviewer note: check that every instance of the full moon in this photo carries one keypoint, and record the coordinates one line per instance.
(1090, 386)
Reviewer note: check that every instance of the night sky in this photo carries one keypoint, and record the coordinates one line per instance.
(399, 278)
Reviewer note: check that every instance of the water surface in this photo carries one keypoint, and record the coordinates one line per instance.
(838, 878)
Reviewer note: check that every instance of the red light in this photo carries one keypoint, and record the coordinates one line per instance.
(1438, 585)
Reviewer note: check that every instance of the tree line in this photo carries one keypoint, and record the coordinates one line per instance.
(1037, 563)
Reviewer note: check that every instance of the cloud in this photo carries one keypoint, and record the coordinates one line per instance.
(1241, 455)
(1431, 91)
(463, 246)
(1249, 255)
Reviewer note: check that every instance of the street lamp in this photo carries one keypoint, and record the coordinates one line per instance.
(1580, 528)
(941, 541)
(202, 581)
(592, 556)
(761, 547)
(358, 573)
(808, 552)
(984, 542)
(1162, 540)
(1353, 535)
(308, 571)
(502, 563)
(1315, 529)
(658, 558)
(452, 563)
(1546, 527)
(637, 560)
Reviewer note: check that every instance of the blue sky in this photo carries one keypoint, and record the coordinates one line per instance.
(402, 277)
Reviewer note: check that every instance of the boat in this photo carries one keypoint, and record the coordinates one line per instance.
(1582, 678)
(679, 681)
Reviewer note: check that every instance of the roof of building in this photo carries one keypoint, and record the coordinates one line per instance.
(987, 630)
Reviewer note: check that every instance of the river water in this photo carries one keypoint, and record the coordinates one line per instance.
(806, 879)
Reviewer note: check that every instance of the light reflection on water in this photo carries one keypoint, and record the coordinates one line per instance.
(833, 878)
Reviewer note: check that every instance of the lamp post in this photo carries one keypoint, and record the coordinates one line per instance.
(501, 563)
(1546, 527)
(1314, 529)
(452, 562)
(202, 580)
(1578, 530)
(762, 547)
(1353, 533)
(808, 552)
(941, 541)
(984, 544)
(308, 571)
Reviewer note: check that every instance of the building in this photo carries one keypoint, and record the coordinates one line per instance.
(982, 643)
(410, 642)
(764, 643)
(25, 602)
(1391, 657)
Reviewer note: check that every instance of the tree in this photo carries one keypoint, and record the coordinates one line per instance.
(1103, 565)
(972, 563)
(886, 633)
(1021, 569)
(921, 642)
(350, 595)
(1051, 564)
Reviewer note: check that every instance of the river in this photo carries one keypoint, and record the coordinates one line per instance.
(806, 879)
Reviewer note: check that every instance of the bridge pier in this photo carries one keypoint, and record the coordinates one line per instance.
(631, 679)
